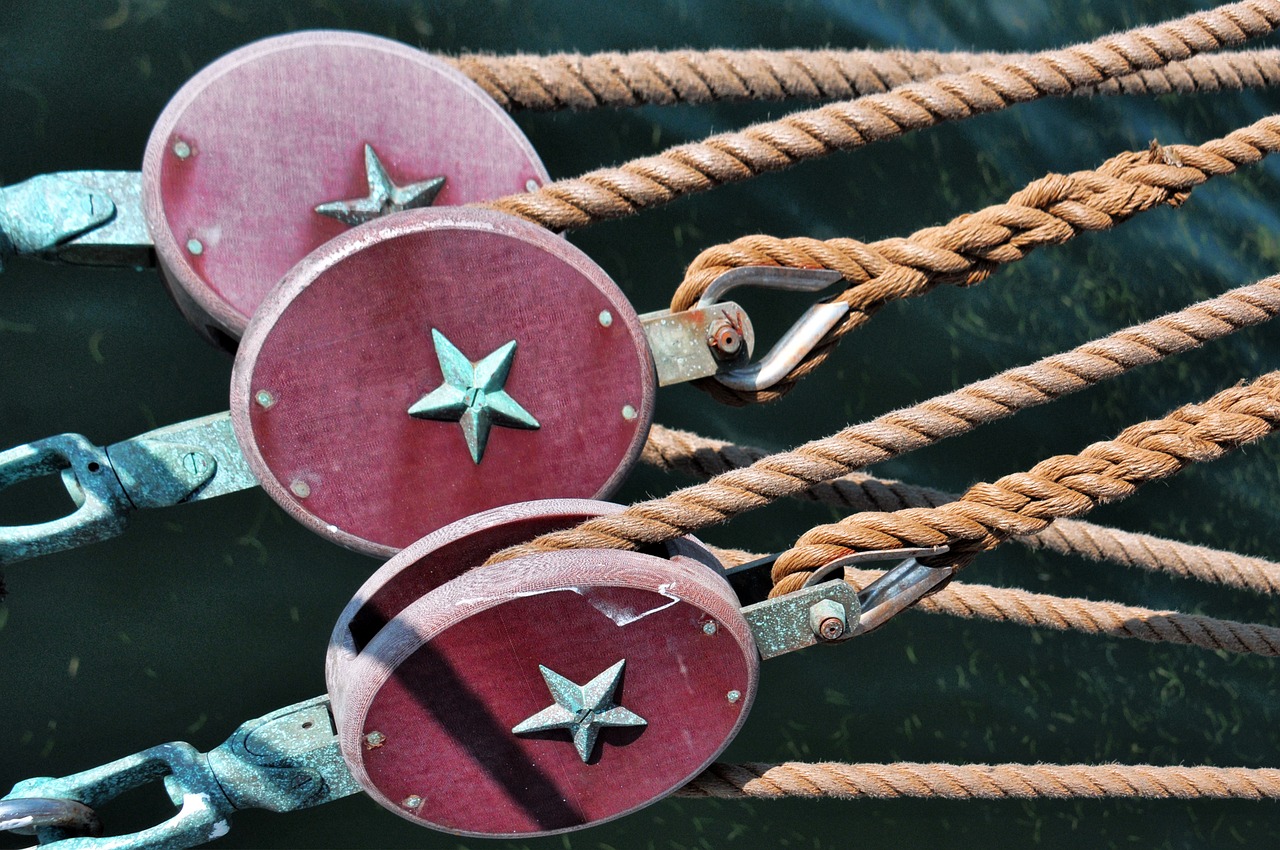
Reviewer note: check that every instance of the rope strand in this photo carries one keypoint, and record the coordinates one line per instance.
(968, 249)
(650, 181)
(703, 457)
(958, 412)
(591, 81)
(982, 781)
(1062, 486)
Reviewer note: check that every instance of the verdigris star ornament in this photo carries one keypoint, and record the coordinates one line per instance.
(384, 195)
(472, 394)
(582, 709)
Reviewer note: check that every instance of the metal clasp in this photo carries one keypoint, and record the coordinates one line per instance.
(827, 610)
(80, 217)
(799, 339)
(101, 504)
(282, 762)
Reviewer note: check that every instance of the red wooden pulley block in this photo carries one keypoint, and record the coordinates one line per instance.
(543, 694)
(247, 150)
(434, 364)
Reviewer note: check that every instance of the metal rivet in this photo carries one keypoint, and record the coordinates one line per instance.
(734, 696)
(628, 412)
(531, 185)
(195, 246)
(181, 149)
(412, 801)
(709, 627)
(264, 398)
(374, 740)
(300, 488)
(606, 318)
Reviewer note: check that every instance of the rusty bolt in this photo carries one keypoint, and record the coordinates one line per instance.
(828, 620)
(725, 338)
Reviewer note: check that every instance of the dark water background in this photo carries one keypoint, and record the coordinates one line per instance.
(202, 617)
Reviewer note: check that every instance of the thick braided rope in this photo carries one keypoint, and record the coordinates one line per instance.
(1065, 613)
(1062, 486)
(1049, 211)
(901, 431)
(983, 781)
(704, 457)
(771, 146)
(641, 77)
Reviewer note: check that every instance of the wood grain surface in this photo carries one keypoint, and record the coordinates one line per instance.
(279, 126)
(344, 347)
(444, 683)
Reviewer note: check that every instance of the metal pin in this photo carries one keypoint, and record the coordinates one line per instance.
(628, 412)
(195, 246)
(606, 318)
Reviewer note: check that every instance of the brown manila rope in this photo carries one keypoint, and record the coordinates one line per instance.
(968, 249)
(704, 457)
(895, 433)
(771, 146)
(1067, 613)
(642, 77)
(982, 781)
(1062, 486)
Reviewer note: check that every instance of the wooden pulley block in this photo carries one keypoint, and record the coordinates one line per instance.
(434, 364)
(543, 694)
(283, 144)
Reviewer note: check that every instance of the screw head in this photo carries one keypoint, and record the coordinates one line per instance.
(264, 398)
(606, 318)
(733, 696)
(709, 627)
(300, 488)
(195, 462)
(628, 412)
(374, 740)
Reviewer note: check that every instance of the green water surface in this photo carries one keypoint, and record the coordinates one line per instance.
(201, 617)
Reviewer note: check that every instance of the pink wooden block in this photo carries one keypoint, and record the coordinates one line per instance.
(425, 709)
(343, 348)
(249, 146)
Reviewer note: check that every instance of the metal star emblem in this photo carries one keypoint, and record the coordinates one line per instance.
(384, 196)
(472, 394)
(582, 709)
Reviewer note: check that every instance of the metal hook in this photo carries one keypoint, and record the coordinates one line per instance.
(799, 339)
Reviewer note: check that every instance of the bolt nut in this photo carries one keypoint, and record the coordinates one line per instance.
(725, 338)
(828, 620)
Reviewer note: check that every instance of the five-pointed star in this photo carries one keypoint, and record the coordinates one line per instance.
(384, 196)
(582, 709)
(473, 395)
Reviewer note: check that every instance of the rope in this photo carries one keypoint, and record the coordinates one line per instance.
(958, 412)
(616, 192)
(1065, 613)
(983, 781)
(703, 457)
(1062, 486)
(968, 249)
(577, 81)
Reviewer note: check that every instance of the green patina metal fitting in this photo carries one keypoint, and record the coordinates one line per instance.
(384, 195)
(472, 394)
(582, 709)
